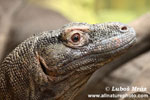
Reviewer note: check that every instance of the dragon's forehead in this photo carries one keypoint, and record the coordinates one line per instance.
(111, 27)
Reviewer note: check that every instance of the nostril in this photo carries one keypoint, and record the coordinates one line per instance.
(124, 28)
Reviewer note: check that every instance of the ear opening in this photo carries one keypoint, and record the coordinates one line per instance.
(43, 64)
(43, 67)
(50, 72)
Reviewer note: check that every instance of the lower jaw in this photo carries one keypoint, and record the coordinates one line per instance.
(110, 56)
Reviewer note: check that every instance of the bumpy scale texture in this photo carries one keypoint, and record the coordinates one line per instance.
(56, 64)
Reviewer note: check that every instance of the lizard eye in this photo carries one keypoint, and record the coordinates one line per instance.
(124, 29)
(75, 37)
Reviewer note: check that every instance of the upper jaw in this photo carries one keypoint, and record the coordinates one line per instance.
(121, 41)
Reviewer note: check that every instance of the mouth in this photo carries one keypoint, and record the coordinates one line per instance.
(98, 58)
(113, 44)
(122, 47)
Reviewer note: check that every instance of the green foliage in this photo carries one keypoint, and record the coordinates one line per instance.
(75, 10)
(96, 11)
(116, 15)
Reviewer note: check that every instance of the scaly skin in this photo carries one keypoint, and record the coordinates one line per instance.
(55, 65)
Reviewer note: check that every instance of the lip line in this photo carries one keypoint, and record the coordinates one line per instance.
(129, 42)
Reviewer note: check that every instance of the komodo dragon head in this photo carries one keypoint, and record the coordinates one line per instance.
(75, 51)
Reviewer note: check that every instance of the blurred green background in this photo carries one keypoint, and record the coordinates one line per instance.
(97, 11)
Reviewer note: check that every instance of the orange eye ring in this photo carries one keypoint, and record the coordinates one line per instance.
(75, 37)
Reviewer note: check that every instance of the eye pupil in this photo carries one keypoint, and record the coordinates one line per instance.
(124, 28)
(75, 37)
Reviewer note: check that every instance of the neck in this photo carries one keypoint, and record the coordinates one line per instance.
(68, 88)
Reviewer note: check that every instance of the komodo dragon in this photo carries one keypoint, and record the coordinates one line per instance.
(56, 64)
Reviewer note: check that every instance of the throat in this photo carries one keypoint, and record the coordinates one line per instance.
(70, 87)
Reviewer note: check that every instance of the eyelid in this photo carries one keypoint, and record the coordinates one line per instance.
(81, 37)
(84, 39)
(73, 32)
(123, 26)
(81, 28)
